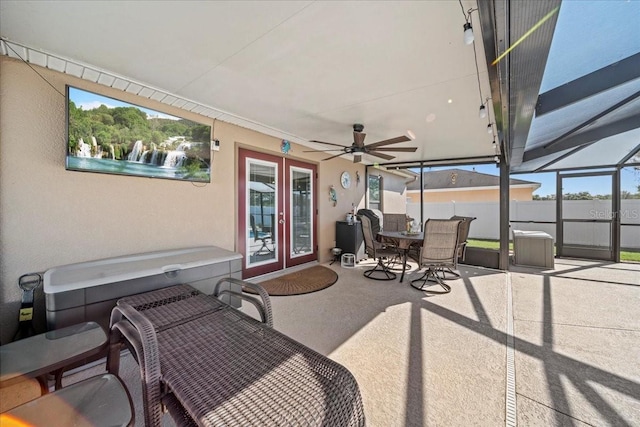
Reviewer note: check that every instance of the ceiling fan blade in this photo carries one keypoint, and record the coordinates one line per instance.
(382, 156)
(333, 157)
(402, 149)
(395, 140)
(358, 139)
(357, 158)
(328, 143)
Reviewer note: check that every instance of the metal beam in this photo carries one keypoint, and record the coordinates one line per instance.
(493, 41)
(591, 84)
(523, 71)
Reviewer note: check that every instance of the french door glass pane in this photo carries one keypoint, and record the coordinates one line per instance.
(262, 203)
(301, 212)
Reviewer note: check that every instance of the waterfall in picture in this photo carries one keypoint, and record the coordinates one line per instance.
(183, 146)
(84, 149)
(135, 153)
(154, 157)
(174, 159)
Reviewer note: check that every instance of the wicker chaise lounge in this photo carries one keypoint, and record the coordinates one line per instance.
(210, 364)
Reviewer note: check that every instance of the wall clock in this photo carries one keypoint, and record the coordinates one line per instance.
(345, 179)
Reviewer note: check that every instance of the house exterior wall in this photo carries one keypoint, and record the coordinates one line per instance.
(394, 191)
(50, 216)
(477, 195)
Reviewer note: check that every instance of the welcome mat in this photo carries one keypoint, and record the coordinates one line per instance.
(310, 279)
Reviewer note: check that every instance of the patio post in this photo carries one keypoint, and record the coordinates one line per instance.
(504, 215)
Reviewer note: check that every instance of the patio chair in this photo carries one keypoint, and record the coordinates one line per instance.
(379, 252)
(463, 235)
(260, 236)
(439, 251)
(395, 222)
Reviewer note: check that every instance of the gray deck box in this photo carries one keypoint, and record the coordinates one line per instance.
(87, 291)
(533, 248)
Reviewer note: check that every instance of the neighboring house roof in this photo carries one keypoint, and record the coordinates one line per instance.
(458, 179)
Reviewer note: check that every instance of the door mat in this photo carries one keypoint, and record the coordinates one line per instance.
(310, 279)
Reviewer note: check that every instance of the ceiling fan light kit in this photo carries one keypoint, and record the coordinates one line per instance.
(374, 149)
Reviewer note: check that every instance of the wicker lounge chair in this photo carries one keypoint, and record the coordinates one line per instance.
(210, 364)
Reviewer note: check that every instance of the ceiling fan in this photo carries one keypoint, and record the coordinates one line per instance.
(374, 149)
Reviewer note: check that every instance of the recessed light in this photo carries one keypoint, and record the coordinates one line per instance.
(431, 117)
(450, 101)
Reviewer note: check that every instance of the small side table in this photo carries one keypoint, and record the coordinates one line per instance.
(50, 352)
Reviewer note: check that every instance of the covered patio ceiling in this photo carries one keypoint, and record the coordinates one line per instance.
(565, 97)
(301, 71)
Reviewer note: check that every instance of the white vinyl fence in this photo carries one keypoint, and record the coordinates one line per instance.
(486, 225)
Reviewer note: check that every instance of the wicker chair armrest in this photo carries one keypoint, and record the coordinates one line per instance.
(263, 305)
(141, 335)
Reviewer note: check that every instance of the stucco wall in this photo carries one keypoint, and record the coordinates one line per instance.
(394, 191)
(50, 216)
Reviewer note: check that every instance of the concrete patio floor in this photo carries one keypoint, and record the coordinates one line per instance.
(451, 360)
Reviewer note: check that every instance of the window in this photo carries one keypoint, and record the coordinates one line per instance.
(375, 189)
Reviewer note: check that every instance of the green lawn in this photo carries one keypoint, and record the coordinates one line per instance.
(625, 256)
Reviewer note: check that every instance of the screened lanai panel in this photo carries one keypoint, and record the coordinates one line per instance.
(590, 35)
(606, 152)
(540, 163)
(590, 89)
(634, 160)
(550, 126)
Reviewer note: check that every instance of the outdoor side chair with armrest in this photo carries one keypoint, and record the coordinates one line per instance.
(463, 236)
(211, 364)
(383, 254)
(439, 251)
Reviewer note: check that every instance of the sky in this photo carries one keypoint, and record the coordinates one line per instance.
(89, 101)
(630, 179)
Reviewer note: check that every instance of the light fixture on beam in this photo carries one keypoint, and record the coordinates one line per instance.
(489, 128)
(483, 112)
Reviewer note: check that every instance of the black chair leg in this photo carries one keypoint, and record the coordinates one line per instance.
(431, 275)
(453, 274)
(264, 246)
(380, 269)
(396, 264)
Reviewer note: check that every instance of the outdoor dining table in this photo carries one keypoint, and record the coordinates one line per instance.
(220, 366)
(403, 241)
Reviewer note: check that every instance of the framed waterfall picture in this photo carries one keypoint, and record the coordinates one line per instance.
(106, 135)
